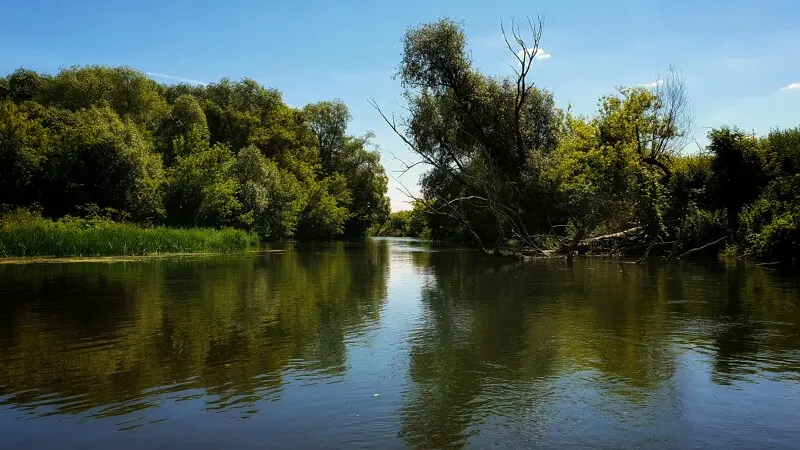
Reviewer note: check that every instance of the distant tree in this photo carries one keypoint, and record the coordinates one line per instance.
(367, 184)
(595, 180)
(396, 224)
(781, 150)
(326, 210)
(352, 157)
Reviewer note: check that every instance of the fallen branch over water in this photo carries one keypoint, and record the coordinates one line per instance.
(531, 253)
(620, 234)
(702, 247)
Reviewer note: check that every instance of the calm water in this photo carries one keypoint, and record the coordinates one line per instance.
(392, 344)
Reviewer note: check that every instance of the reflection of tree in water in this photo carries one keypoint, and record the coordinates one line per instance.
(497, 337)
(757, 319)
(112, 334)
(473, 333)
(747, 318)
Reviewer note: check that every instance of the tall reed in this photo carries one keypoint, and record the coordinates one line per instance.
(24, 235)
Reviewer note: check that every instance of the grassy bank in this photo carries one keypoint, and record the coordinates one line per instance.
(35, 236)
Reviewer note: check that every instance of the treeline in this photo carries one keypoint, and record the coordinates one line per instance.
(512, 172)
(227, 154)
(407, 223)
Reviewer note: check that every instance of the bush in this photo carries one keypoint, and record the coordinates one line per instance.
(771, 225)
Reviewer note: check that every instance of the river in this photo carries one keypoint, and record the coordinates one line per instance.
(394, 343)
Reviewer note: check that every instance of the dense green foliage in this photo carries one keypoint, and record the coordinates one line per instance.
(225, 154)
(510, 170)
(25, 234)
(407, 223)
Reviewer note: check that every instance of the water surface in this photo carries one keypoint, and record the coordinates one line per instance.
(393, 344)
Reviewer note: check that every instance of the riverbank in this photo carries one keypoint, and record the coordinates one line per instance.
(39, 237)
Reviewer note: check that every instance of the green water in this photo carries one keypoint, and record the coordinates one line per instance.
(393, 344)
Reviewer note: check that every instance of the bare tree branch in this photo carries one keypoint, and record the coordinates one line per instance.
(702, 247)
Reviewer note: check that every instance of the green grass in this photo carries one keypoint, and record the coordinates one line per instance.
(35, 236)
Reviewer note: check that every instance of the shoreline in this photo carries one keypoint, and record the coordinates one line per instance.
(16, 260)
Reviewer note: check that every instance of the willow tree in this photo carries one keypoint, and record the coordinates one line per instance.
(482, 138)
(354, 157)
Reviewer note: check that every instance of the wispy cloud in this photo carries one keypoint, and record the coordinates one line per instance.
(652, 84)
(791, 87)
(540, 53)
(174, 78)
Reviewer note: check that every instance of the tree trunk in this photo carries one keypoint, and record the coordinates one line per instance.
(573, 245)
(684, 212)
(499, 241)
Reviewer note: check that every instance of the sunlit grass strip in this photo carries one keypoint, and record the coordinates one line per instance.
(47, 238)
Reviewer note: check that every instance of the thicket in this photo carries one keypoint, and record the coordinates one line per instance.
(512, 172)
(227, 154)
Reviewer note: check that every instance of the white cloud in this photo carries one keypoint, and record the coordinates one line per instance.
(174, 78)
(540, 53)
(791, 87)
(652, 84)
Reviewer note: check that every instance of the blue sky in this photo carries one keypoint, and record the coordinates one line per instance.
(738, 57)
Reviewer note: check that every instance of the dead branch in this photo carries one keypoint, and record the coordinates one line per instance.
(646, 253)
(528, 55)
(672, 115)
(620, 234)
(702, 247)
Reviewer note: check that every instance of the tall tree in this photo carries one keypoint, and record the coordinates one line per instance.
(473, 131)
(328, 120)
(354, 158)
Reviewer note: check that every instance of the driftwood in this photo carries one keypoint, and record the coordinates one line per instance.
(702, 247)
(585, 244)
(620, 234)
(526, 253)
